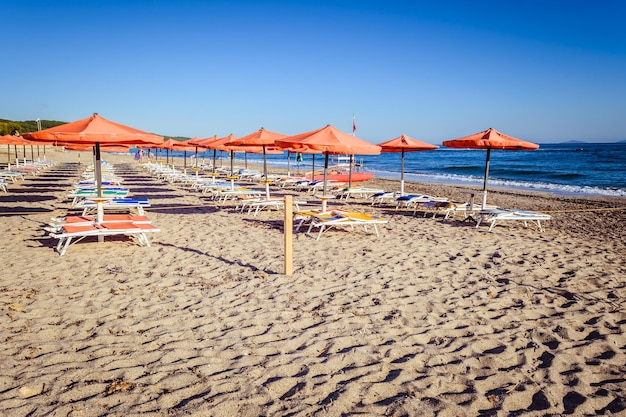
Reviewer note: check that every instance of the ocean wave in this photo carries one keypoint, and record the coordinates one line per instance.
(560, 189)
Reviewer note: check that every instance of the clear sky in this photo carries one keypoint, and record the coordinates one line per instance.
(540, 70)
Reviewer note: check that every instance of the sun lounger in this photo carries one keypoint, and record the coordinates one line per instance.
(227, 194)
(86, 193)
(325, 221)
(259, 204)
(69, 234)
(415, 200)
(132, 204)
(492, 216)
(58, 222)
(384, 197)
(361, 192)
(13, 176)
(449, 209)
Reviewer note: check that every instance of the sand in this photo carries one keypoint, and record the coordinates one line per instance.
(429, 319)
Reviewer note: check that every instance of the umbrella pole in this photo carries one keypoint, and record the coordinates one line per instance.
(485, 180)
(324, 188)
(214, 162)
(402, 174)
(313, 168)
(350, 172)
(99, 201)
(232, 174)
(267, 183)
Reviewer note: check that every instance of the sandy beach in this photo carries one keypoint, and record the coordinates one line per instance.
(432, 318)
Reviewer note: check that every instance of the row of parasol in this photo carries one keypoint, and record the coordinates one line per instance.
(96, 131)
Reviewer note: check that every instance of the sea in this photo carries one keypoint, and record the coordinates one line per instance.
(574, 169)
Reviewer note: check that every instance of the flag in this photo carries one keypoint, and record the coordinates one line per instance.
(353, 124)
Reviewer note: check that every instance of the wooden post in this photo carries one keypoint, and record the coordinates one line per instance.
(288, 232)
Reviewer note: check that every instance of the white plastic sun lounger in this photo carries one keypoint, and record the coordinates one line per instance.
(57, 223)
(325, 221)
(71, 234)
(137, 204)
(492, 216)
(359, 192)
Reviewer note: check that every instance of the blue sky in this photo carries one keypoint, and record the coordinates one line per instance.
(543, 71)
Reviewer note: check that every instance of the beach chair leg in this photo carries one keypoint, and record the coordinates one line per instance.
(300, 224)
(319, 234)
(59, 244)
(539, 226)
(143, 239)
(68, 240)
(493, 223)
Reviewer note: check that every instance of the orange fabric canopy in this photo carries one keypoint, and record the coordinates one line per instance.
(329, 139)
(103, 147)
(491, 139)
(218, 143)
(175, 145)
(405, 143)
(95, 129)
(203, 142)
(259, 138)
(16, 140)
(253, 149)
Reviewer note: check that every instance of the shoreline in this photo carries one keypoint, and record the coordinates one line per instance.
(557, 189)
(432, 318)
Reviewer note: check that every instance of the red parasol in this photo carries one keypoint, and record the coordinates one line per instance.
(403, 144)
(95, 130)
(263, 138)
(489, 139)
(329, 140)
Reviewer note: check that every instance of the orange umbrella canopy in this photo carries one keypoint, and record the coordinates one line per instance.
(260, 137)
(95, 129)
(489, 139)
(219, 142)
(175, 145)
(403, 144)
(203, 142)
(103, 147)
(331, 140)
(16, 140)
